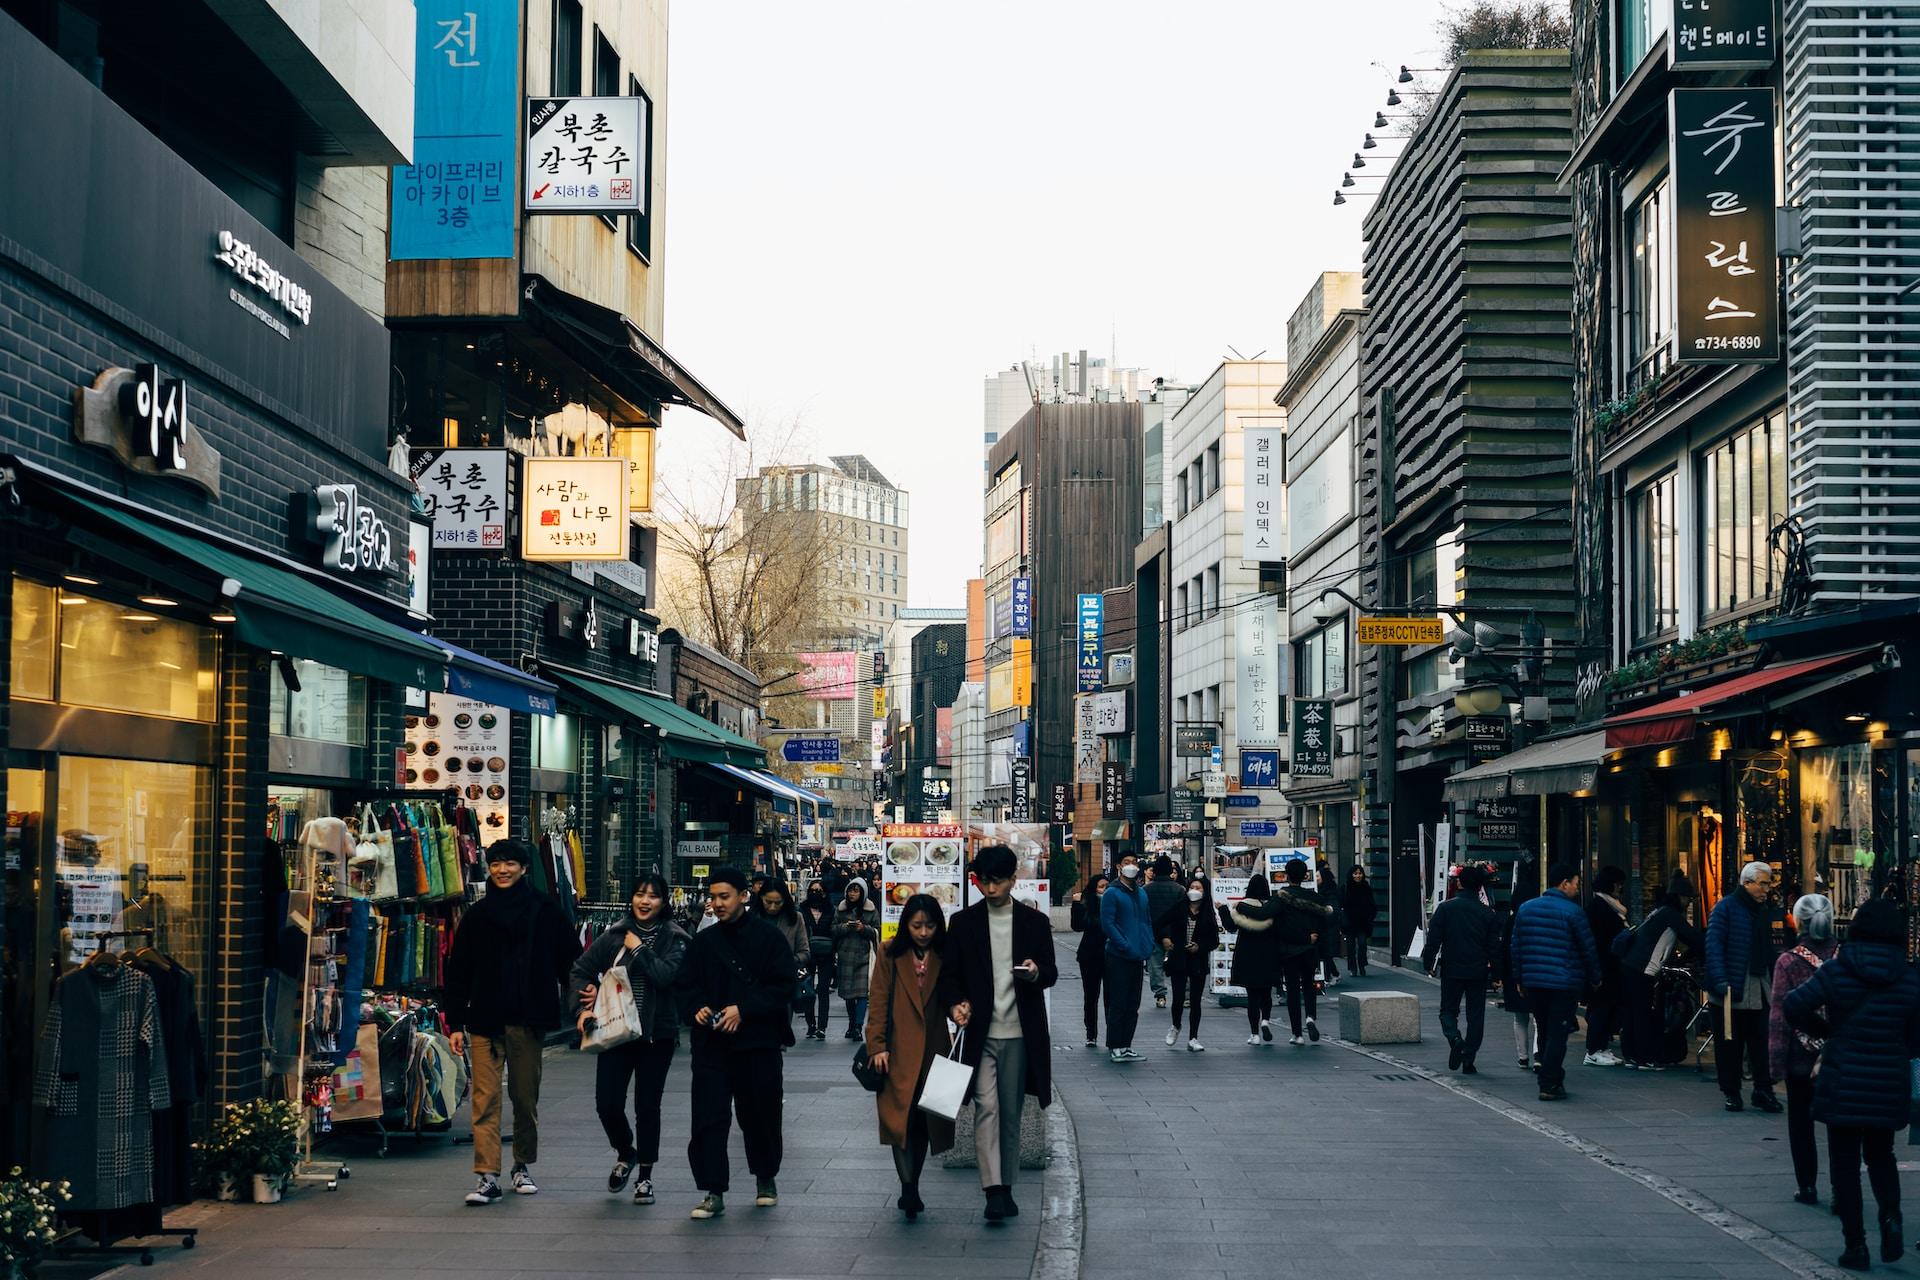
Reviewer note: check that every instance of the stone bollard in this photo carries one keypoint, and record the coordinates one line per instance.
(1379, 1017)
(1033, 1139)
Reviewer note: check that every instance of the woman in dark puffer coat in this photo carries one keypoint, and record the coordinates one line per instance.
(1866, 1006)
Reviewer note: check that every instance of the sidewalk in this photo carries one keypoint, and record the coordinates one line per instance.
(1325, 1163)
(403, 1216)
(1669, 1123)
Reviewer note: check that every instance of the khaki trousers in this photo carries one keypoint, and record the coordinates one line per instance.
(999, 1093)
(515, 1053)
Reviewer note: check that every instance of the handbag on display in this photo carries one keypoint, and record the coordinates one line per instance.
(616, 1014)
(948, 1080)
(373, 859)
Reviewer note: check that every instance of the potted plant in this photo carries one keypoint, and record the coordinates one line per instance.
(28, 1222)
(260, 1140)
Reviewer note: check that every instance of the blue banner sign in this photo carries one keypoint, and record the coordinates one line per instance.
(1259, 828)
(457, 198)
(1259, 767)
(1092, 646)
(1023, 607)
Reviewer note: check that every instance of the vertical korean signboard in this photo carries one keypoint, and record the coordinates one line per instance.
(1092, 614)
(1022, 620)
(1726, 271)
(465, 491)
(1263, 537)
(456, 199)
(1113, 790)
(1259, 694)
(1020, 780)
(1312, 738)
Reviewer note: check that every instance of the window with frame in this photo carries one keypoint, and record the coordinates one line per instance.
(1743, 496)
(1649, 272)
(640, 225)
(1213, 468)
(1637, 23)
(1180, 607)
(1213, 590)
(1180, 494)
(569, 28)
(1654, 559)
(1320, 661)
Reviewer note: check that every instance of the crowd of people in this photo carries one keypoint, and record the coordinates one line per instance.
(733, 981)
(1836, 1025)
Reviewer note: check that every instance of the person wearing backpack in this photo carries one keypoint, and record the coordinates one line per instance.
(1607, 917)
(1795, 1054)
(1463, 936)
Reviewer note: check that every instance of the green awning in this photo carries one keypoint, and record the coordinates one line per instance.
(278, 609)
(684, 735)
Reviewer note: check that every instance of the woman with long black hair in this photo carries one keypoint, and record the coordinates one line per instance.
(906, 1031)
(1084, 916)
(1256, 962)
(1187, 934)
(652, 949)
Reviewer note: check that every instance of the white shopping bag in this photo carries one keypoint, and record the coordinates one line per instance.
(616, 1015)
(948, 1080)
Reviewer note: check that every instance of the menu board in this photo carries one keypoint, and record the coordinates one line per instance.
(1028, 840)
(919, 857)
(462, 743)
(1227, 890)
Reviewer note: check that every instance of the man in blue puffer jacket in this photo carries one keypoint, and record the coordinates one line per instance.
(1553, 961)
(1125, 920)
(1740, 956)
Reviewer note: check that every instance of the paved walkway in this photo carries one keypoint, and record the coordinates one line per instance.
(402, 1216)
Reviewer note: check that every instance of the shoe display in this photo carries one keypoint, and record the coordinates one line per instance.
(1455, 1053)
(765, 1194)
(1893, 1242)
(523, 1182)
(617, 1180)
(1194, 1046)
(1313, 1031)
(485, 1191)
(1556, 1094)
(643, 1191)
(1768, 1103)
(1173, 1034)
(712, 1207)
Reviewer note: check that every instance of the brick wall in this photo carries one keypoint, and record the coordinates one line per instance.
(237, 887)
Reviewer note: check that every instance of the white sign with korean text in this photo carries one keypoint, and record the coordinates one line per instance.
(466, 495)
(585, 155)
(1259, 698)
(1086, 741)
(1109, 713)
(1264, 535)
(574, 509)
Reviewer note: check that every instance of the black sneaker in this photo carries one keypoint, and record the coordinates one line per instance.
(1806, 1195)
(1556, 1094)
(1011, 1209)
(1468, 1069)
(617, 1180)
(1892, 1238)
(643, 1191)
(486, 1190)
(996, 1210)
(1456, 1053)
(1856, 1258)
(1266, 1031)
(1313, 1031)
(711, 1207)
(1734, 1103)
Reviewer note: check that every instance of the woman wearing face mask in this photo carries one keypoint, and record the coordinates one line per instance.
(1084, 916)
(1188, 934)
(906, 1030)
(817, 913)
(651, 948)
(776, 907)
(856, 930)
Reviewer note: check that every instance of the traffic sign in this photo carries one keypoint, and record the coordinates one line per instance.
(1375, 630)
(810, 750)
(1259, 828)
(1245, 800)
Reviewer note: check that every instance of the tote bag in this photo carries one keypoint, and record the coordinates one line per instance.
(616, 1015)
(373, 859)
(948, 1080)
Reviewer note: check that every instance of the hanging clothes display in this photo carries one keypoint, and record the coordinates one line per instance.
(186, 1057)
(102, 1072)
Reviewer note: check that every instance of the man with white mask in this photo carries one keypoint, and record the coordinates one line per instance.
(1124, 919)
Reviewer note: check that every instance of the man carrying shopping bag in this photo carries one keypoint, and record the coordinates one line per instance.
(997, 963)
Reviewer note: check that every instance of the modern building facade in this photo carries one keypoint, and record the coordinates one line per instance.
(861, 517)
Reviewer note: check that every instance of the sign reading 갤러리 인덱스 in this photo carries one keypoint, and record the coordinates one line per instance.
(1726, 267)
(1265, 536)
(585, 155)
(1722, 34)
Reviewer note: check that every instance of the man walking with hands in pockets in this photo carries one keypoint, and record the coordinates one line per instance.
(998, 961)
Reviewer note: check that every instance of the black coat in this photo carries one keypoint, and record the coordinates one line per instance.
(749, 964)
(1464, 937)
(1866, 1003)
(966, 973)
(1298, 916)
(1180, 927)
(509, 962)
(1606, 925)
(1256, 955)
(1360, 907)
(1092, 950)
(1645, 938)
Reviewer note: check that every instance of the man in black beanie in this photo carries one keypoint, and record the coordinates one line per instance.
(505, 974)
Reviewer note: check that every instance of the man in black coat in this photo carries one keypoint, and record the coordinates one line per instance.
(1464, 937)
(997, 962)
(505, 973)
(737, 990)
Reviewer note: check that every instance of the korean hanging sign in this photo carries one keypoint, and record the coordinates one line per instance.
(1312, 738)
(1726, 272)
(581, 155)
(465, 491)
(574, 509)
(1722, 34)
(456, 199)
(1092, 622)
(1264, 538)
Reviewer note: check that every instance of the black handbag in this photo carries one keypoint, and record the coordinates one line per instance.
(863, 1070)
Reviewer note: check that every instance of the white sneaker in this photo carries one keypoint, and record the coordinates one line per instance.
(523, 1183)
(1173, 1034)
(1297, 1040)
(1118, 1055)
(1602, 1059)
(1254, 1039)
(1194, 1046)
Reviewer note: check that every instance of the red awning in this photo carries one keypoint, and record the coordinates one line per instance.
(1672, 721)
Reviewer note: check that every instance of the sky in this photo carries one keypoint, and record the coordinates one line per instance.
(872, 205)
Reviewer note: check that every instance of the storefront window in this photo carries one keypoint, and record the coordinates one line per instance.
(121, 658)
(1836, 821)
(34, 618)
(556, 743)
(1654, 552)
(329, 706)
(1743, 496)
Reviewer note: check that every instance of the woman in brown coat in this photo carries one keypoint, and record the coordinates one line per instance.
(906, 1031)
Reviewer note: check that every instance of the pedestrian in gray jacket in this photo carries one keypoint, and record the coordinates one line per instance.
(856, 932)
(652, 949)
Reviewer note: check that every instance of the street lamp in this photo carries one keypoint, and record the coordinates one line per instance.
(1482, 698)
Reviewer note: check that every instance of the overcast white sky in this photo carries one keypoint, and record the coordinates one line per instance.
(871, 205)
